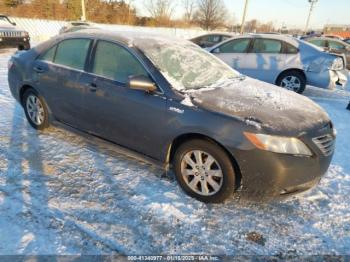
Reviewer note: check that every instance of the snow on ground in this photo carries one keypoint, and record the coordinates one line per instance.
(61, 193)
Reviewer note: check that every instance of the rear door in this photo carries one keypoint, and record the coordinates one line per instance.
(265, 59)
(131, 118)
(57, 74)
(233, 53)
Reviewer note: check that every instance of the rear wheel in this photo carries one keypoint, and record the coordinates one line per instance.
(292, 80)
(204, 171)
(35, 109)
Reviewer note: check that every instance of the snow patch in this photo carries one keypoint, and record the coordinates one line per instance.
(187, 101)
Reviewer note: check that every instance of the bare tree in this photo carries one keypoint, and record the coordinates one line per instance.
(210, 13)
(189, 8)
(160, 10)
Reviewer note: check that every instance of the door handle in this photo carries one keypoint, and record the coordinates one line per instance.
(92, 87)
(38, 69)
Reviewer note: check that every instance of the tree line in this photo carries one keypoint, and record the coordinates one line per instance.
(207, 14)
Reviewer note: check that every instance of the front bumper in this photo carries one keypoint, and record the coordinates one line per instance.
(328, 79)
(267, 174)
(338, 78)
(15, 42)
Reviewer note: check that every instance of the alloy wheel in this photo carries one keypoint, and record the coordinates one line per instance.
(35, 110)
(201, 172)
(291, 83)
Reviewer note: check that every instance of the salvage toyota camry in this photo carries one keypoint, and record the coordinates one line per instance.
(171, 101)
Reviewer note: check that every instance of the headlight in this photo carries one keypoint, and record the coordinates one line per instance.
(279, 144)
(338, 64)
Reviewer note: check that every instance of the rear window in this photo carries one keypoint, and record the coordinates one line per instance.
(290, 49)
(72, 53)
(269, 46)
(213, 38)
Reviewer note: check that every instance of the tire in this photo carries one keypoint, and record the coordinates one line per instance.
(32, 99)
(197, 176)
(285, 80)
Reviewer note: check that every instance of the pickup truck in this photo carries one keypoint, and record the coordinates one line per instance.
(11, 36)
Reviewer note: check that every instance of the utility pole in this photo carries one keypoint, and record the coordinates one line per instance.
(244, 15)
(83, 12)
(312, 5)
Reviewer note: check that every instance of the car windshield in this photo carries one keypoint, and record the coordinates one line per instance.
(187, 66)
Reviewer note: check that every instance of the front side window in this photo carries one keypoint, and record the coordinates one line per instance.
(72, 53)
(235, 46)
(49, 55)
(267, 46)
(115, 62)
(335, 45)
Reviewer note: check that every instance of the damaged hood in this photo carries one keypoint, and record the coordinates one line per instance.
(262, 105)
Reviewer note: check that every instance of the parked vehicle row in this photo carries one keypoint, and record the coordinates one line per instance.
(181, 106)
(281, 60)
(12, 37)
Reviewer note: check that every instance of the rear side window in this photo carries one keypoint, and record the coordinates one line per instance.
(115, 62)
(267, 46)
(72, 53)
(290, 49)
(49, 55)
(235, 46)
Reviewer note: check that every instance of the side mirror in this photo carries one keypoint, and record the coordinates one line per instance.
(13, 23)
(141, 82)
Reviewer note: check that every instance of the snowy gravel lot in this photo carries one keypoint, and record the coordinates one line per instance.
(61, 193)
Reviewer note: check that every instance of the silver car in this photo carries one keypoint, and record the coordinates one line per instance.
(282, 60)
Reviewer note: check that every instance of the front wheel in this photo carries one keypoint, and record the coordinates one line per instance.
(292, 80)
(204, 171)
(35, 110)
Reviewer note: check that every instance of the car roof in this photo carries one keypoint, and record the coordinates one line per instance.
(129, 38)
(284, 38)
(218, 33)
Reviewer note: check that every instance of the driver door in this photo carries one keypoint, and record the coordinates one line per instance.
(132, 118)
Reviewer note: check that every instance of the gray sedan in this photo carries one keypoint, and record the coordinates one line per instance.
(283, 61)
(175, 103)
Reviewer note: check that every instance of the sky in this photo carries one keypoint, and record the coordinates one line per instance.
(292, 13)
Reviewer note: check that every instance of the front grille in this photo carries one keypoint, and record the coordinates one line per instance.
(11, 34)
(325, 143)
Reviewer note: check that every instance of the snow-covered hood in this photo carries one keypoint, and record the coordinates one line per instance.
(262, 105)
